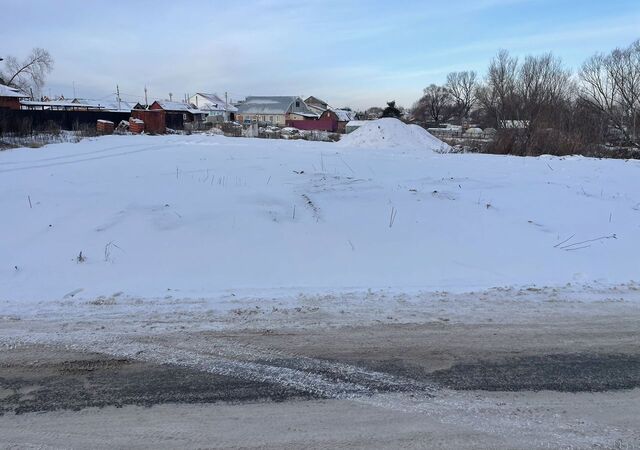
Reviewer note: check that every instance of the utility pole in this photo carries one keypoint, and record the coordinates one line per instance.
(170, 97)
(117, 93)
(226, 103)
(146, 102)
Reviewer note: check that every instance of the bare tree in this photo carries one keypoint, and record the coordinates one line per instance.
(462, 86)
(498, 95)
(543, 86)
(434, 103)
(611, 86)
(29, 73)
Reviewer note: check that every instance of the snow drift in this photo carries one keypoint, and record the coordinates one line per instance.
(392, 133)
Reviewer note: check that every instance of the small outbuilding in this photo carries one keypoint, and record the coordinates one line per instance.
(179, 114)
(10, 97)
(154, 120)
(339, 118)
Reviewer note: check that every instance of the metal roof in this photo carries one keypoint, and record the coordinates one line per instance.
(272, 105)
(178, 106)
(344, 115)
(216, 103)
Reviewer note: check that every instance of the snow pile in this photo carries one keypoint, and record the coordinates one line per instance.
(392, 133)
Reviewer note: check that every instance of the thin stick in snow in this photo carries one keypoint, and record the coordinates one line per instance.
(269, 179)
(353, 248)
(570, 246)
(566, 240)
(294, 213)
(392, 217)
(30, 205)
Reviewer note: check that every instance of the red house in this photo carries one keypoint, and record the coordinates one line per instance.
(10, 97)
(339, 118)
(333, 120)
(178, 114)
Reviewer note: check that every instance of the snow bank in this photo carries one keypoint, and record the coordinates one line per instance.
(392, 133)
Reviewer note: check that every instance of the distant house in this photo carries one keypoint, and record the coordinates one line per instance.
(333, 120)
(272, 110)
(10, 97)
(178, 114)
(316, 105)
(214, 106)
(340, 117)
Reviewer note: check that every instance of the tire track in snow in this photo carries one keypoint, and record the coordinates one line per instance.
(72, 155)
(94, 158)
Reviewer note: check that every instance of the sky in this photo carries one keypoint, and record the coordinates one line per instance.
(349, 52)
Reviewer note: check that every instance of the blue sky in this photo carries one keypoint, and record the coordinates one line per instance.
(355, 53)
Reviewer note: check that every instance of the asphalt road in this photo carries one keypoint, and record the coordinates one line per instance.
(546, 384)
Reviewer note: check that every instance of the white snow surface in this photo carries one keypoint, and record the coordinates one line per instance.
(204, 216)
(391, 133)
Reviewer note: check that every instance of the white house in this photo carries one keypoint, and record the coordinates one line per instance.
(274, 110)
(214, 106)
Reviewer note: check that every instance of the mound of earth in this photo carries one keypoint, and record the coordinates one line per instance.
(392, 133)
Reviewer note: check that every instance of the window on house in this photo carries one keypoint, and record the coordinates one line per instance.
(297, 104)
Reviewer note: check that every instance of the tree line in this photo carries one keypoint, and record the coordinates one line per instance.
(537, 105)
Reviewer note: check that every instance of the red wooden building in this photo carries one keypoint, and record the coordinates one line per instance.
(10, 97)
(154, 119)
(333, 120)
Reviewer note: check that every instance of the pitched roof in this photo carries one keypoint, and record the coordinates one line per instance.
(216, 103)
(344, 115)
(272, 105)
(315, 101)
(8, 91)
(177, 106)
(316, 109)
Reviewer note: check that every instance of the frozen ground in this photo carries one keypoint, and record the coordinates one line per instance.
(381, 297)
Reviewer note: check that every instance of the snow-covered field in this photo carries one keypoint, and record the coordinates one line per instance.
(205, 216)
(300, 264)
